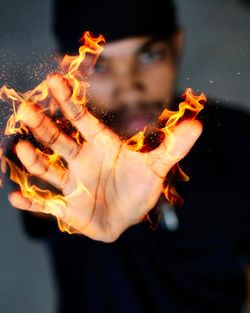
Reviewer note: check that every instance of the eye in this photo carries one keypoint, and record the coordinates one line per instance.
(150, 57)
(101, 68)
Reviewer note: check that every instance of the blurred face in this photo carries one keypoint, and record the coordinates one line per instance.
(132, 81)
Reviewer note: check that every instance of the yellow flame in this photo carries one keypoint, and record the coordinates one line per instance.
(191, 106)
(74, 74)
(77, 136)
(188, 109)
(192, 103)
(46, 198)
(136, 142)
(73, 64)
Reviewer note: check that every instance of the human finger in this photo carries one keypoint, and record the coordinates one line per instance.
(84, 121)
(38, 164)
(18, 201)
(175, 146)
(45, 130)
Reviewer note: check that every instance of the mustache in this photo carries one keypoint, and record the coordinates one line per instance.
(111, 117)
(138, 107)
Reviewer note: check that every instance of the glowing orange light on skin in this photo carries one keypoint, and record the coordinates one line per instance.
(73, 65)
(191, 106)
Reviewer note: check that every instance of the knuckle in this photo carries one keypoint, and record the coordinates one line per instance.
(52, 137)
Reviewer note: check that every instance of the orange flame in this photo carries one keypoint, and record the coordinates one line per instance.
(188, 109)
(34, 193)
(74, 67)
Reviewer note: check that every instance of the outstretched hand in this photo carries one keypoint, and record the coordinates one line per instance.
(120, 185)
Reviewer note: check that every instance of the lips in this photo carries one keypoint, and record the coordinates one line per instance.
(135, 122)
(126, 122)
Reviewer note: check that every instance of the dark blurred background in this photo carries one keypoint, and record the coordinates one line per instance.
(216, 60)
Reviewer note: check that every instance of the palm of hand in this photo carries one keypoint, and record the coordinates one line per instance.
(108, 186)
(121, 186)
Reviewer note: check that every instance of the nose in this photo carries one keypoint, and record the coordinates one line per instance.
(129, 88)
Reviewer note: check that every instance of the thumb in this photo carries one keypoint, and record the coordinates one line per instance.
(175, 146)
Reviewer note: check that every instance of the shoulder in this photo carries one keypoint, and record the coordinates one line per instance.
(224, 143)
(215, 115)
(226, 127)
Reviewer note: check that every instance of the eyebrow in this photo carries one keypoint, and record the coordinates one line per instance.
(142, 48)
(148, 44)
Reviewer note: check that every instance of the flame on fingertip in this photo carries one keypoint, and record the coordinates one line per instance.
(91, 46)
(189, 108)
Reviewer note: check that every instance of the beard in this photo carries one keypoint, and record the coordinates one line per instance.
(127, 121)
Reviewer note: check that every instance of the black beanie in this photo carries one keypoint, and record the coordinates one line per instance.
(114, 19)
